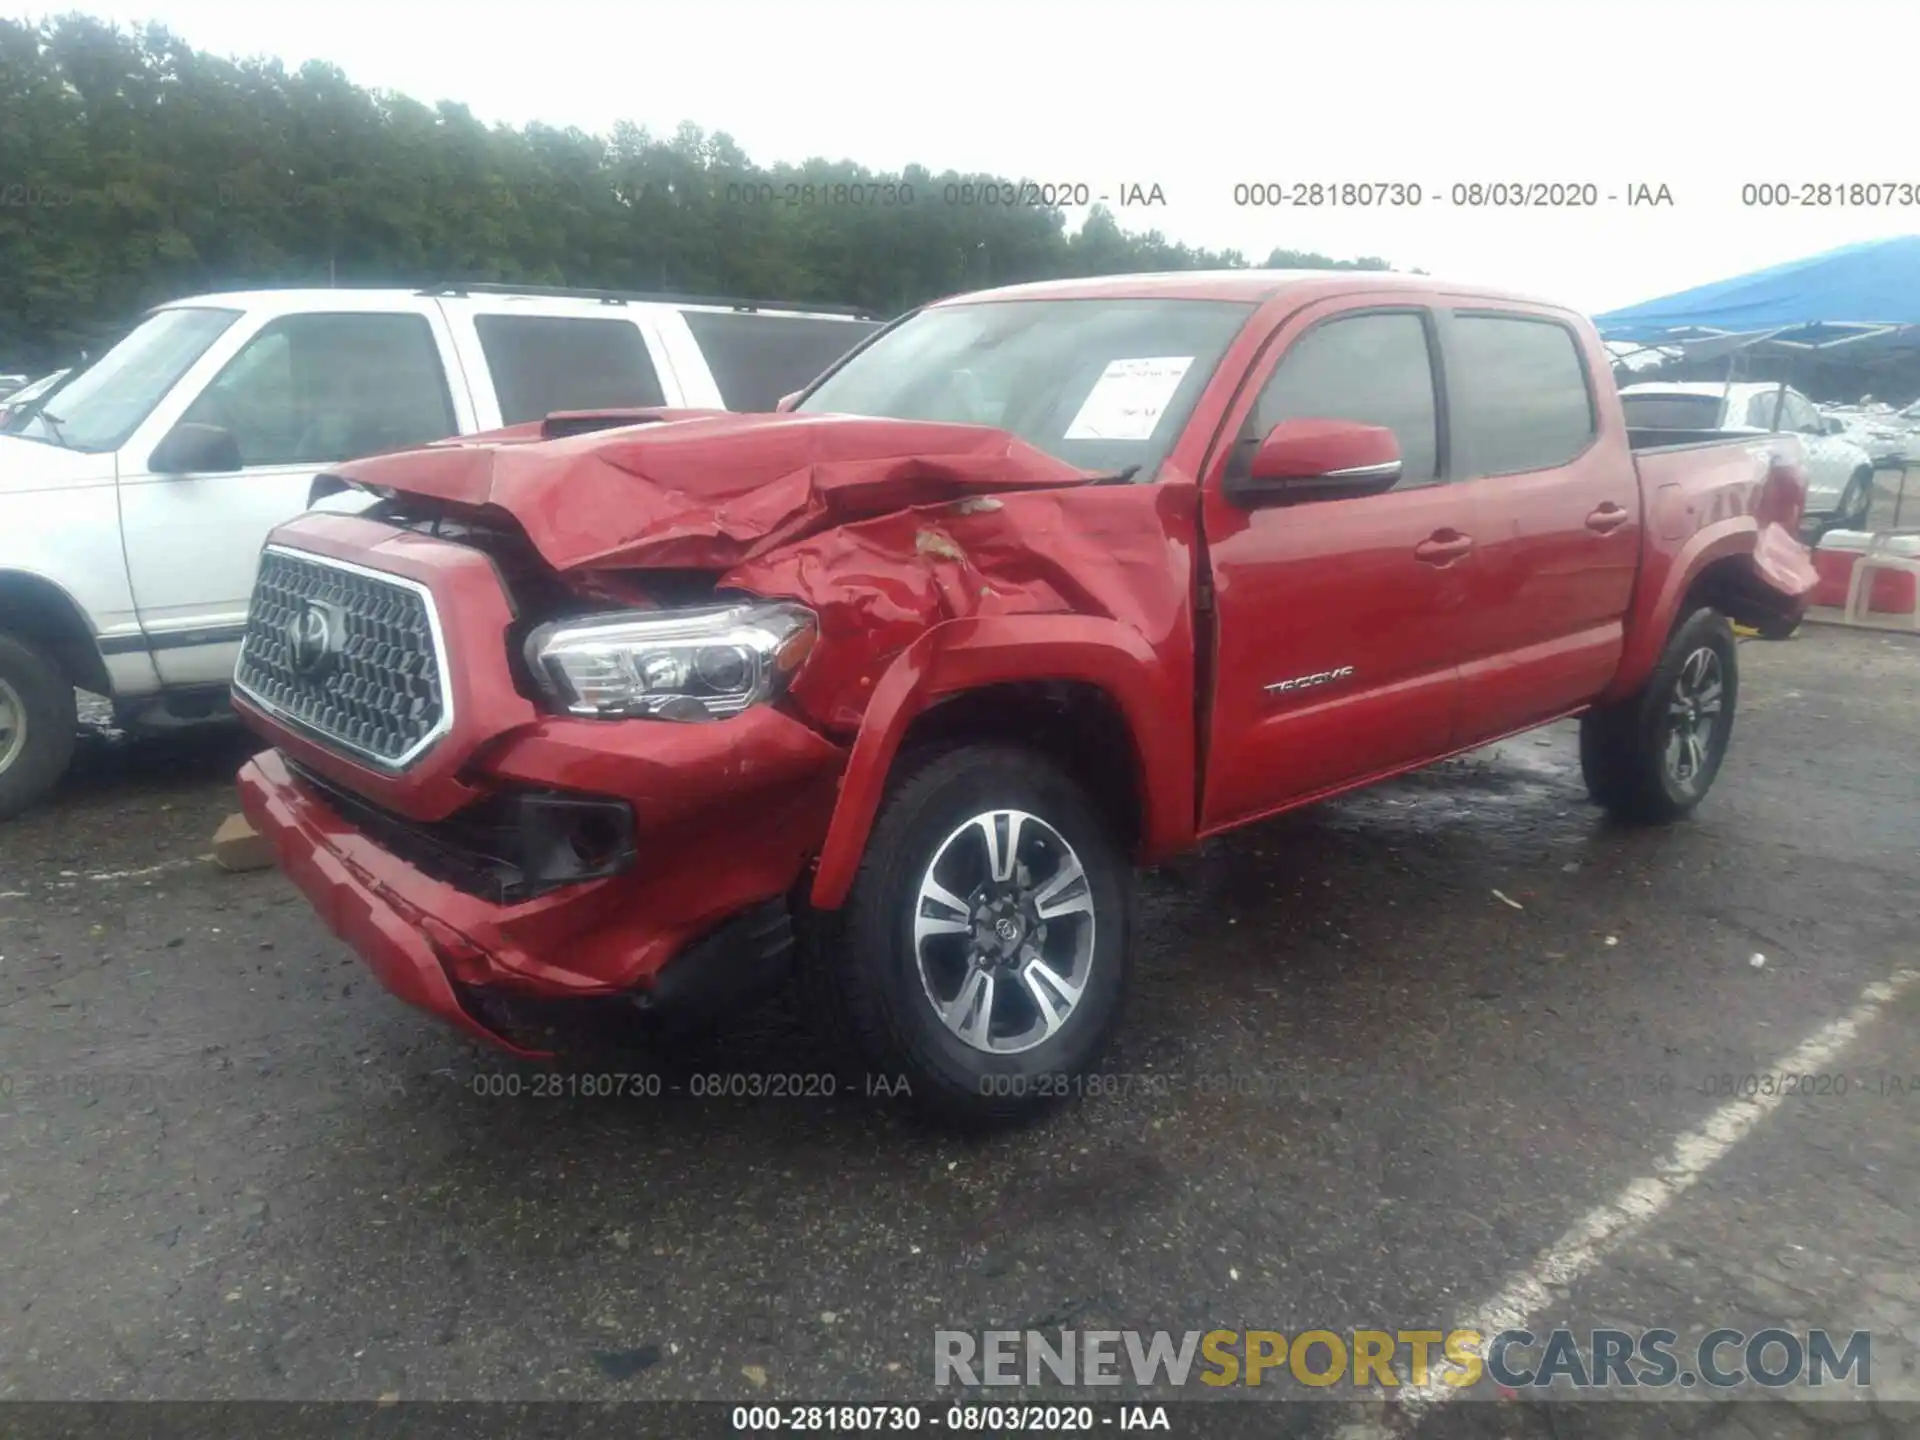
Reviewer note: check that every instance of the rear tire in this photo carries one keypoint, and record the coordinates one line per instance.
(37, 721)
(989, 1004)
(1652, 758)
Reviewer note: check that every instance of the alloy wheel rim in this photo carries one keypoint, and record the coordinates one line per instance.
(13, 725)
(1693, 718)
(1003, 932)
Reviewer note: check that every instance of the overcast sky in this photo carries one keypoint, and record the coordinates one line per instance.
(1196, 96)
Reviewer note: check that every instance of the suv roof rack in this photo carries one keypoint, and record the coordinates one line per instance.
(457, 288)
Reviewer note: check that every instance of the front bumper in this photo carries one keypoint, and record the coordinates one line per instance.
(695, 920)
(388, 936)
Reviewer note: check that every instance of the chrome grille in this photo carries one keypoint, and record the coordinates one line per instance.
(350, 656)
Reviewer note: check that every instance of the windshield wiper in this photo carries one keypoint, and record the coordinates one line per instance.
(53, 422)
(1118, 477)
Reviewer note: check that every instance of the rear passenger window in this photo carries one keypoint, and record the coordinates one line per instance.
(755, 359)
(1520, 396)
(544, 363)
(1370, 369)
(1673, 412)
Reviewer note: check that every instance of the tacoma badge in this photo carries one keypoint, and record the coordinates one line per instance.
(1307, 682)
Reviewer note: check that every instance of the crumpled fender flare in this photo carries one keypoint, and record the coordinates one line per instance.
(1654, 617)
(963, 655)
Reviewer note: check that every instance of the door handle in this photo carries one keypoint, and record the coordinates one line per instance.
(1443, 547)
(1607, 519)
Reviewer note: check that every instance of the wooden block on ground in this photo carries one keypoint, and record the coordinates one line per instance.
(238, 846)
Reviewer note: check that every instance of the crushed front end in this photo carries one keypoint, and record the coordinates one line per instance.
(560, 714)
(494, 849)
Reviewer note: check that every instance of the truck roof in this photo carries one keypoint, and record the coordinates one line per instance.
(1245, 285)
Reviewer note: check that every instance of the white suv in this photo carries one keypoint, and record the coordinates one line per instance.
(134, 505)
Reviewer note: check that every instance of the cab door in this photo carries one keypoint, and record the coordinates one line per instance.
(1556, 513)
(300, 392)
(1367, 589)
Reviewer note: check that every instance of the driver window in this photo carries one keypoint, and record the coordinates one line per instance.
(1371, 369)
(317, 389)
(253, 398)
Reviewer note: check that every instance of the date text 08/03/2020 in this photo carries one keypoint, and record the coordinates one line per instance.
(1395, 194)
(1042, 1419)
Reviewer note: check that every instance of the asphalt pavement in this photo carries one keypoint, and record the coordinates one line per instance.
(1386, 1062)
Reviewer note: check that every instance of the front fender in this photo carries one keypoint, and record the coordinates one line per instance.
(964, 655)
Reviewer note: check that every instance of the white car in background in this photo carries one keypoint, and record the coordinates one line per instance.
(1839, 468)
(135, 499)
(1885, 434)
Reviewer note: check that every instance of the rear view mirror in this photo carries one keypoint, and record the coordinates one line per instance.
(190, 449)
(1302, 460)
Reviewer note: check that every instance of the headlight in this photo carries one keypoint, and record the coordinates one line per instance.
(673, 664)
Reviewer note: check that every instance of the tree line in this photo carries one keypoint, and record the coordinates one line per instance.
(135, 169)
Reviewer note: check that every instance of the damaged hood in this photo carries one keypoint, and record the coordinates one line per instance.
(710, 490)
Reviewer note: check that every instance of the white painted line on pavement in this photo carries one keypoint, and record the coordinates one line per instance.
(71, 878)
(159, 869)
(1581, 1248)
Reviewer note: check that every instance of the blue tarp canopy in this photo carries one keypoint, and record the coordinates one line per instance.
(1863, 297)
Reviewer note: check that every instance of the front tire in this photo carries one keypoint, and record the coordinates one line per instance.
(983, 951)
(1652, 758)
(37, 721)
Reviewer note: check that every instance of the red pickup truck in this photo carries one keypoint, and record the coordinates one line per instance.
(646, 710)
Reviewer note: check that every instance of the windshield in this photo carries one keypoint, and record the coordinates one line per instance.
(100, 407)
(1101, 384)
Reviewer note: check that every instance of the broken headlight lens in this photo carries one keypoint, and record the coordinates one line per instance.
(672, 664)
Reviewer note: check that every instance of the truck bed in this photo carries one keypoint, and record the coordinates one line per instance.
(1718, 474)
(1728, 501)
(1643, 439)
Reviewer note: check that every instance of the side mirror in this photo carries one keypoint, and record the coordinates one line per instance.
(196, 450)
(1832, 425)
(787, 402)
(1302, 460)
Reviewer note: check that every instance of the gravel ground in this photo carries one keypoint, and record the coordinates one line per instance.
(1460, 1012)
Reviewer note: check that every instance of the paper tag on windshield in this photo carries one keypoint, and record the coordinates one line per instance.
(1128, 399)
